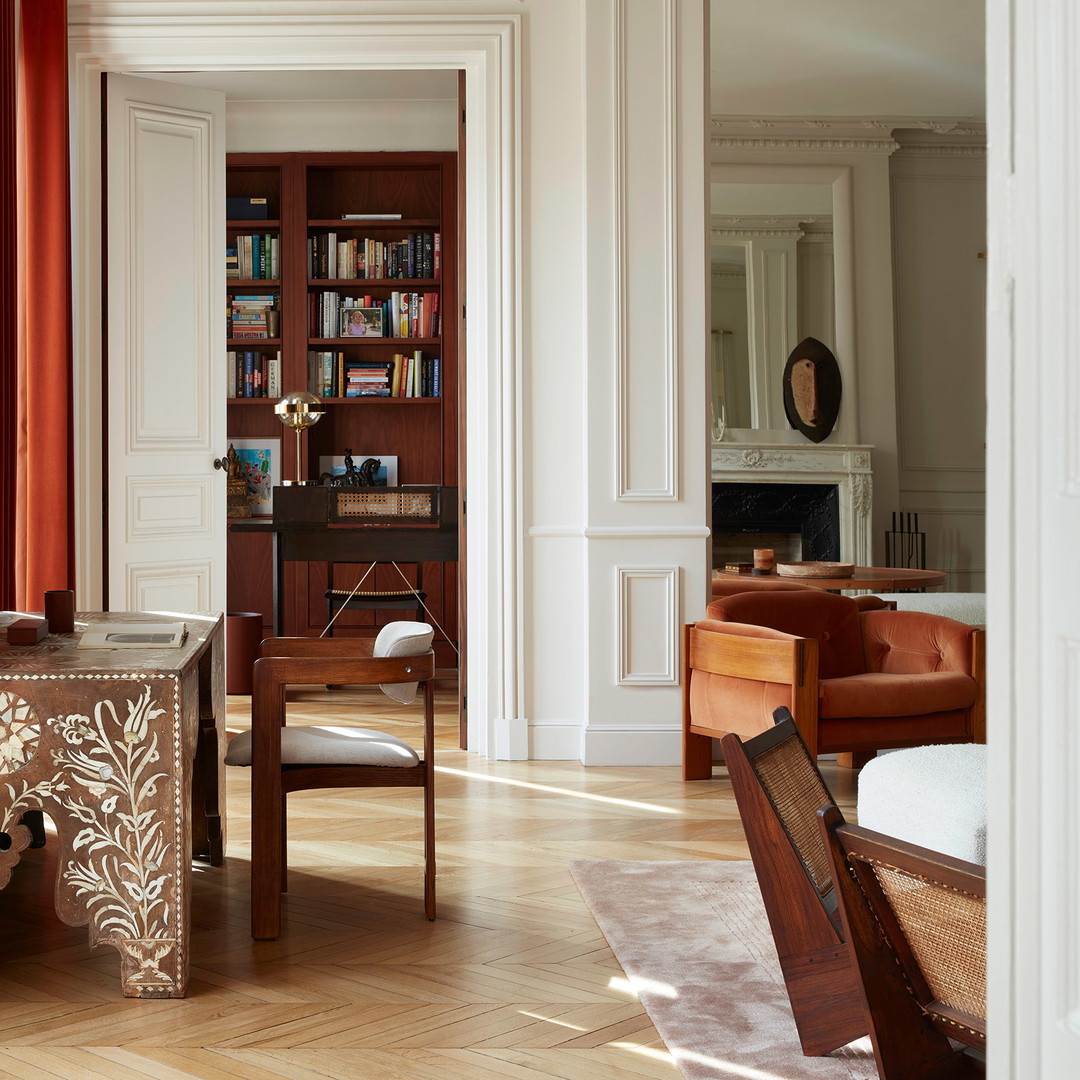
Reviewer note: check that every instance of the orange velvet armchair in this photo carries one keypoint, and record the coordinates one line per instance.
(855, 681)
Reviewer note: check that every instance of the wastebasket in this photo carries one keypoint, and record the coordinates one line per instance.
(243, 632)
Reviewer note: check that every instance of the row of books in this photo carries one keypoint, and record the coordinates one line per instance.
(254, 374)
(254, 257)
(419, 255)
(334, 375)
(254, 317)
(402, 315)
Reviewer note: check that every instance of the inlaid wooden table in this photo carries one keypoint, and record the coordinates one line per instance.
(123, 750)
(882, 578)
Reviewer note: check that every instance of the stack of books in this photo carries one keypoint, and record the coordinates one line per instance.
(253, 317)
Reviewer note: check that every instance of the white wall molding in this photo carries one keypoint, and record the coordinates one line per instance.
(626, 745)
(647, 334)
(729, 143)
(1033, 592)
(646, 622)
(162, 37)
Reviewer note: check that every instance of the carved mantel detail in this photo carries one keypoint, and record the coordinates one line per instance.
(848, 467)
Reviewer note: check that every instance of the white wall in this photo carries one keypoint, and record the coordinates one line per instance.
(939, 249)
(279, 126)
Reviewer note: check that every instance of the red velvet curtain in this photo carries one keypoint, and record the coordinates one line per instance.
(9, 305)
(44, 502)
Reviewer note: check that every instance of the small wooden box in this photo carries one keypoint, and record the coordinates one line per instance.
(27, 631)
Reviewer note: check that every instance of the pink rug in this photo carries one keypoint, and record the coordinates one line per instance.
(694, 942)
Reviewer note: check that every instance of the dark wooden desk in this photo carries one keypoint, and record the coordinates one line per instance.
(124, 750)
(319, 541)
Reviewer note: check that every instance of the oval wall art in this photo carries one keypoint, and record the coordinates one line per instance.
(812, 389)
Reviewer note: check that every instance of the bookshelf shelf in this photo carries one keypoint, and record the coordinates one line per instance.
(402, 224)
(250, 225)
(306, 194)
(371, 283)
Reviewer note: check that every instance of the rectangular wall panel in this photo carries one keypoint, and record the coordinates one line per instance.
(169, 258)
(176, 508)
(647, 622)
(647, 341)
(169, 587)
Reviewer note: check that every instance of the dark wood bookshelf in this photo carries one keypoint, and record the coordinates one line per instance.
(307, 194)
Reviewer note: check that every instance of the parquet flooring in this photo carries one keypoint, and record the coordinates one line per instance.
(513, 981)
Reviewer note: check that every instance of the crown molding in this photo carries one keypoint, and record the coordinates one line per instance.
(846, 134)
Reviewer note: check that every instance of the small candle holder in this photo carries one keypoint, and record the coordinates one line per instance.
(764, 561)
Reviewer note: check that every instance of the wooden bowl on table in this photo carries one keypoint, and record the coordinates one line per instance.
(815, 569)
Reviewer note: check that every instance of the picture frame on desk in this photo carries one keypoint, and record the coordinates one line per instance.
(260, 460)
(386, 476)
(360, 322)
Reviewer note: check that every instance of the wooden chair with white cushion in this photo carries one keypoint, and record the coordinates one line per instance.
(285, 759)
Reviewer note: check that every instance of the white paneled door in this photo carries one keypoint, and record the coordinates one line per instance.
(165, 372)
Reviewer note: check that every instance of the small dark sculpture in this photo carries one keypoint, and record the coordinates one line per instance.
(352, 476)
(812, 389)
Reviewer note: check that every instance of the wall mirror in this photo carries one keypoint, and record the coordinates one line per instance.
(781, 259)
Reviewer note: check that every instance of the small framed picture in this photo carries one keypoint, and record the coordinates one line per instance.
(260, 461)
(384, 475)
(360, 322)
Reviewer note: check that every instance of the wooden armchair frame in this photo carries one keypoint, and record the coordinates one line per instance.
(915, 923)
(779, 790)
(286, 662)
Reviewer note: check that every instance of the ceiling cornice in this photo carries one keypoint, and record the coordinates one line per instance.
(847, 134)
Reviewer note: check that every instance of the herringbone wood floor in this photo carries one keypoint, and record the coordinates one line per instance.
(513, 981)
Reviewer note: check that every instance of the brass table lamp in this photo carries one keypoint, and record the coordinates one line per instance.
(298, 410)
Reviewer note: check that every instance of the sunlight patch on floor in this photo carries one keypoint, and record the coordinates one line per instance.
(550, 1020)
(559, 791)
(636, 985)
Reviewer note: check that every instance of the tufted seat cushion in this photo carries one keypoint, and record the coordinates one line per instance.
(877, 694)
(330, 746)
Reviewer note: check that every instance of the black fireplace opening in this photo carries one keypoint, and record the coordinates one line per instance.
(745, 514)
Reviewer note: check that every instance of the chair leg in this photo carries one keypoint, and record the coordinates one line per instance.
(267, 856)
(697, 756)
(854, 759)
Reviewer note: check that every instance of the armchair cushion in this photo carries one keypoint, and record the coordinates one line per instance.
(884, 694)
(330, 746)
(832, 619)
(402, 639)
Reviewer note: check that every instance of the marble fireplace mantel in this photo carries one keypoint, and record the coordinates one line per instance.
(848, 467)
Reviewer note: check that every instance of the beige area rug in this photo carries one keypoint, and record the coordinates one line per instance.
(694, 942)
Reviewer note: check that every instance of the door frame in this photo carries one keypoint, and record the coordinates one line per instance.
(487, 50)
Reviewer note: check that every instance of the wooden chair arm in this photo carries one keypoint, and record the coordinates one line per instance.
(788, 659)
(292, 670)
(310, 646)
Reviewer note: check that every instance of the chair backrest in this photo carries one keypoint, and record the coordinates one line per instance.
(916, 924)
(779, 790)
(402, 639)
(790, 779)
(812, 613)
(729, 586)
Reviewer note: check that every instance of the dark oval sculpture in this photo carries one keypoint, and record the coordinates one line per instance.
(812, 389)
